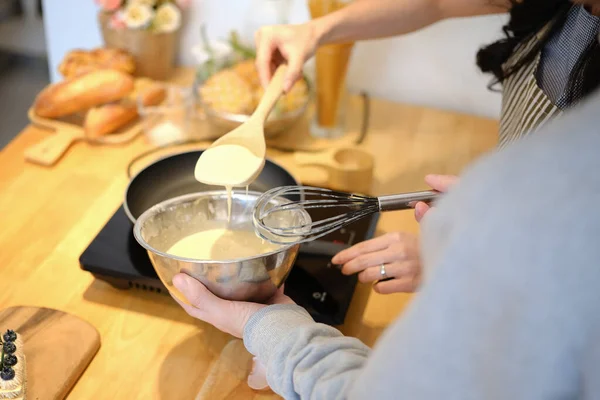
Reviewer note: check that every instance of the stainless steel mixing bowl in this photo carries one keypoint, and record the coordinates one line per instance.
(248, 279)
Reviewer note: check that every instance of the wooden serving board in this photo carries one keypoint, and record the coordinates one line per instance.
(58, 348)
(67, 131)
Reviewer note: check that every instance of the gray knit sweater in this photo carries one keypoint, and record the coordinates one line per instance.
(510, 303)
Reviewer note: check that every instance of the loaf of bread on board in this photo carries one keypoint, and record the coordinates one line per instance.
(83, 92)
(108, 118)
(100, 121)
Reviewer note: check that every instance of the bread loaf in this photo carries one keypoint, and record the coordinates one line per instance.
(100, 121)
(77, 61)
(83, 92)
(227, 92)
(149, 92)
(107, 119)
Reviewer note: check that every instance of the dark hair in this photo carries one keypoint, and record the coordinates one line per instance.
(527, 18)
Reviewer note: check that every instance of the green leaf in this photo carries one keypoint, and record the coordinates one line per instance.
(245, 52)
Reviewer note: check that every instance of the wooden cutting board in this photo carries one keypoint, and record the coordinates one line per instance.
(68, 131)
(58, 348)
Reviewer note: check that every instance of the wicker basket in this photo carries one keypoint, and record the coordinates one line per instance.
(155, 53)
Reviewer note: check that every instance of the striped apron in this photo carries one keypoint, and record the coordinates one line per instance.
(525, 106)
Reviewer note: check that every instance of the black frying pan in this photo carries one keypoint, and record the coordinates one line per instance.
(173, 176)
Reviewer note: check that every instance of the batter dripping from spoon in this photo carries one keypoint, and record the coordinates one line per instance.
(228, 165)
(238, 157)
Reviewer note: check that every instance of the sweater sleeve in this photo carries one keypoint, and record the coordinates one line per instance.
(303, 359)
(509, 304)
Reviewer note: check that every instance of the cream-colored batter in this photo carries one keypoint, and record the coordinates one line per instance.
(228, 165)
(229, 198)
(221, 244)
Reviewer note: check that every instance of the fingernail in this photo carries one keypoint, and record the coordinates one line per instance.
(287, 84)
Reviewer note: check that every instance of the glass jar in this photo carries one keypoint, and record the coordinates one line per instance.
(331, 67)
(169, 122)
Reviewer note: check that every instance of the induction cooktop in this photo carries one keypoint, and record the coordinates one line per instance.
(314, 283)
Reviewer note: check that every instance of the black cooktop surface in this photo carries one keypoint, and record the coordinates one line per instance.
(115, 256)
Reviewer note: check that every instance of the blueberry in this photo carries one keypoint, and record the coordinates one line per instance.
(9, 347)
(10, 336)
(10, 360)
(7, 373)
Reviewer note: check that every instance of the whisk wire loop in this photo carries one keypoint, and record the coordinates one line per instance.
(290, 222)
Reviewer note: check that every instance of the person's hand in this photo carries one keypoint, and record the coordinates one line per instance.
(228, 316)
(293, 44)
(441, 183)
(399, 254)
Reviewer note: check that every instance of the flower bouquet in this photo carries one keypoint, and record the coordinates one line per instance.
(148, 29)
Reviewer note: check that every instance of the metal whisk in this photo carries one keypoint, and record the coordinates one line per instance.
(290, 222)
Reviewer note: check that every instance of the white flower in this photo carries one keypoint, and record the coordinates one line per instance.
(220, 50)
(149, 3)
(168, 18)
(138, 16)
(201, 54)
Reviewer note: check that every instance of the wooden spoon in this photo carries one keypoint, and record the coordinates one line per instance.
(240, 157)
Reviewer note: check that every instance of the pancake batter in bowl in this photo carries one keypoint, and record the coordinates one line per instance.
(221, 244)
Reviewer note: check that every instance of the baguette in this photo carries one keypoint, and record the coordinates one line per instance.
(83, 92)
(78, 60)
(150, 92)
(100, 121)
(108, 118)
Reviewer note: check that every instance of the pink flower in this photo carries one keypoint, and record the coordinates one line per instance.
(117, 21)
(183, 4)
(109, 5)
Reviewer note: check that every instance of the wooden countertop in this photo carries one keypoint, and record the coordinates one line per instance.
(150, 347)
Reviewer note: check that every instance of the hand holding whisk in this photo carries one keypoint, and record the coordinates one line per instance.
(290, 222)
